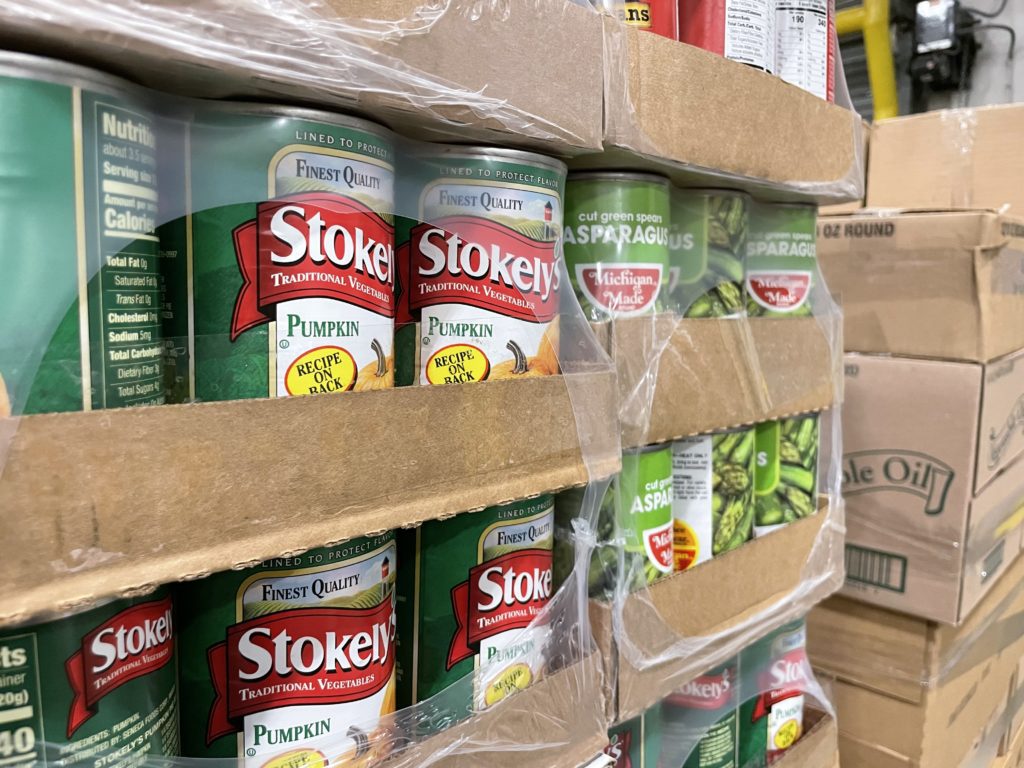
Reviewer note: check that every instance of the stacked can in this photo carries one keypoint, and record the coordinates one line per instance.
(741, 30)
(780, 277)
(805, 45)
(643, 499)
(636, 743)
(700, 722)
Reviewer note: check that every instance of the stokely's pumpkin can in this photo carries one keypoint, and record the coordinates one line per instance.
(700, 723)
(79, 688)
(479, 264)
(470, 588)
(290, 250)
(740, 30)
(79, 300)
(643, 498)
(636, 743)
(617, 242)
(292, 661)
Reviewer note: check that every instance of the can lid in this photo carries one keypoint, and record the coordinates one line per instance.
(651, 178)
(31, 67)
(719, 191)
(299, 113)
(475, 151)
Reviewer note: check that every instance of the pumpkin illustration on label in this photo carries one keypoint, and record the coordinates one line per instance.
(378, 375)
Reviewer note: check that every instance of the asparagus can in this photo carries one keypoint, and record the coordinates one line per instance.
(700, 723)
(479, 264)
(782, 258)
(712, 495)
(775, 677)
(291, 662)
(471, 588)
(658, 16)
(707, 243)
(741, 30)
(805, 45)
(785, 477)
(616, 242)
(79, 302)
(644, 512)
(79, 688)
(290, 250)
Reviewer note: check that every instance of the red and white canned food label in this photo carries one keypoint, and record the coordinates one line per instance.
(783, 685)
(750, 33)
(621, 290)
(804, 52)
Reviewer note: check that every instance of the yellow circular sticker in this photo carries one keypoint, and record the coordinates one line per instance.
(298, 758)
(458, 364)
(323, 369)
(787, 734)
(515, 678)
(685, 546)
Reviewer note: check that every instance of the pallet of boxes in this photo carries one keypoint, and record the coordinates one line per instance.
(925, 643)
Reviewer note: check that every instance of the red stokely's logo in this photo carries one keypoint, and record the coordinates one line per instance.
(786, 678)
(710, 691)
(133, 643)
(300, 656)
(500, 595)
(314, 245)
(480, 263)
(618, 749)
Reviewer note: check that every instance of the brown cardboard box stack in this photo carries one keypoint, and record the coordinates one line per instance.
(925, 643)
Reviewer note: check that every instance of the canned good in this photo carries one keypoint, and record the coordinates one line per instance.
(616, 242)
(479, 263)
(291, 252)
(707, 244)
(99, 682)
(644, 512)
(782, 258)
(658, 16)
(786, 474)
(79, 302)
(471, 587)
(700, 722)
(741, 30)
(805, 45)
(291, 662)
(712, 495)
(775, 671)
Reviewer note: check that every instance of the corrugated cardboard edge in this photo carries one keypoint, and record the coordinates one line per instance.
(817, 748)
(553, 711)
(116, 502)
(719, 596)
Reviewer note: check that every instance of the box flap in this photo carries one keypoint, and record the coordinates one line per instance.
(817, 748)
(1001, 438)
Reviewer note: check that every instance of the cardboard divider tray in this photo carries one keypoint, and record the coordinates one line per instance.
(817, 748)
(711, 374)
(115, 502)
(718, 599)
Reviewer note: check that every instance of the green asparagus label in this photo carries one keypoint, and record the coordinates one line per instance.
(781, 258)
(645, 508)
(706, 245)
(616, 242)
(785, 479)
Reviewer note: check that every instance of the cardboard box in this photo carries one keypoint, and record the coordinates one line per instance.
(114, 502)
(946, 284)
(728, 372)
(916, 694)
(718, 607)
(454, 71)
(750, 130)
(958, 158)
(932, 480)
(817, 748)
(854, 205)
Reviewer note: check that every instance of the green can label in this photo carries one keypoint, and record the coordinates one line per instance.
(775, 676)
(80, 298)
(292, 252)
(782, 258)
(79, 689)
(712, 495)
(700, 722)
(636, 743)
(476, 584)
(644, 498)
(707, 244)
(786, 474)
(291, 662)
(616, 242)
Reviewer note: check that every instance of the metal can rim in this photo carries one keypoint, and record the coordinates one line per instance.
(656, 178)
(341, 119)
(30, 66)
(477, 151)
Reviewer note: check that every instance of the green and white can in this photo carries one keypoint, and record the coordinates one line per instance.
(636, 743)
(90, 686)
(471, 587)
(289, 252)
(291, 662)
(707, 245)
(782, 259)
(712, 494)
(79, 302)
(644, 512)
(786, 475)
(700, 722)
(617, 242)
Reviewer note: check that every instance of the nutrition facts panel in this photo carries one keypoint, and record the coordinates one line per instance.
(802, 34)
(750, 33)
(21, 715)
